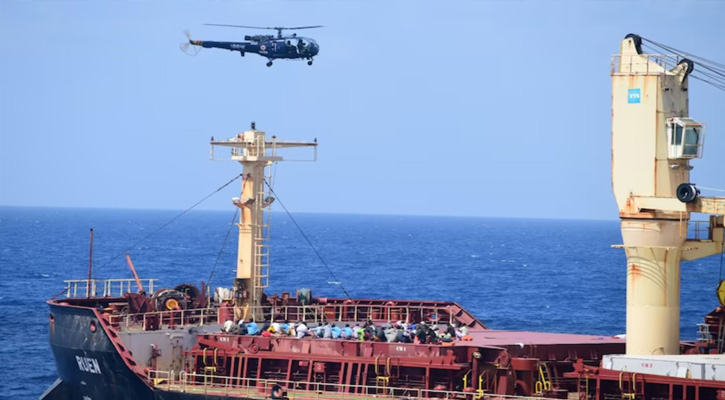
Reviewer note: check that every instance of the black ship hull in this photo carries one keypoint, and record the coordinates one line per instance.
(90, 366)
(88, 363)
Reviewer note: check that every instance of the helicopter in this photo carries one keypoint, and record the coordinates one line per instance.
(291, 47)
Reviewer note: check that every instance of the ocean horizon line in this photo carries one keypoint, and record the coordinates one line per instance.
(125, 209)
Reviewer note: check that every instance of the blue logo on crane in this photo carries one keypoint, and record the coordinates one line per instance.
(633, 96)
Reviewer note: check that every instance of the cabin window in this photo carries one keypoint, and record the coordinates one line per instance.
(677, 137)
(685, 138)
(692, 142)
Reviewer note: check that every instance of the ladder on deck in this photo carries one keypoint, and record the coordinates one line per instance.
(628, 386)
(583, 386)
(261, 243)
(544, 383)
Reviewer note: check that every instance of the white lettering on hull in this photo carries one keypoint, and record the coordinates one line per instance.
(87, 364)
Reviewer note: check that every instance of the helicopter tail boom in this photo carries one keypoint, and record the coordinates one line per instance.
(233, 46)
(192, 47)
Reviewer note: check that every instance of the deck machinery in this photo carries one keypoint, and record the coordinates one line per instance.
(112, 343)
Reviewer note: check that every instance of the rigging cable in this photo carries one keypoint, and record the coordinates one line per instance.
(224, 244)
(713, 80)
(172, 220)
(715, 85)
(309, 242)
(713, 70)
(713, 73)
(680, 52)
(666, 61)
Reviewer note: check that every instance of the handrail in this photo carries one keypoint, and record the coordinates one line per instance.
(166, 319)
(662, 61)
(317, 313)
(84, 288)
(259, 388)
(698, 230)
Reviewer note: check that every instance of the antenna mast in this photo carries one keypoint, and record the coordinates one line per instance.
(252, 149)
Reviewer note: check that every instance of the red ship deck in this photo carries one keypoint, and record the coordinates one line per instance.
(490, 337)
(486, 362)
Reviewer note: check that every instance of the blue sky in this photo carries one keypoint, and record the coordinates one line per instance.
(487, 108)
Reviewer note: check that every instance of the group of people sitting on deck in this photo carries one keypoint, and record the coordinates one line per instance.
(399, 332)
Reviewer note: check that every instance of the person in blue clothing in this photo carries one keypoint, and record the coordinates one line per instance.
(347, 332)
(252, 328)
(336, 332)
(285, 326)
(317, 331)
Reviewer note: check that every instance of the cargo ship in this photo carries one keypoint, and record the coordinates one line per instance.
(128, 339)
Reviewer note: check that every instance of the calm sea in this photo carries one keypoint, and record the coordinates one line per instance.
(539, 275)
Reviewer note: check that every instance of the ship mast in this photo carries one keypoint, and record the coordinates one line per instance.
(653, 140)
(255, 153)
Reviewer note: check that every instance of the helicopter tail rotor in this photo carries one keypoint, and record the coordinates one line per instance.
(187, 47)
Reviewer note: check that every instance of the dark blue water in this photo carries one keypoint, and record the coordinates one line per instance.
(540, 275)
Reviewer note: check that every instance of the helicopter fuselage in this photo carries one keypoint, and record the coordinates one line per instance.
(282, 48)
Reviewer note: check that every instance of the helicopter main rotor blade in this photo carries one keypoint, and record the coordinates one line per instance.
(276, 28)
(243, 26)
(304, 27)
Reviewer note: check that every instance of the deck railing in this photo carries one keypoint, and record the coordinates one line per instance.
(698, 230)
(79, 288)
(317, 313)
(170, 319)
(211, 384)
(360, 312)
(644, 65)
